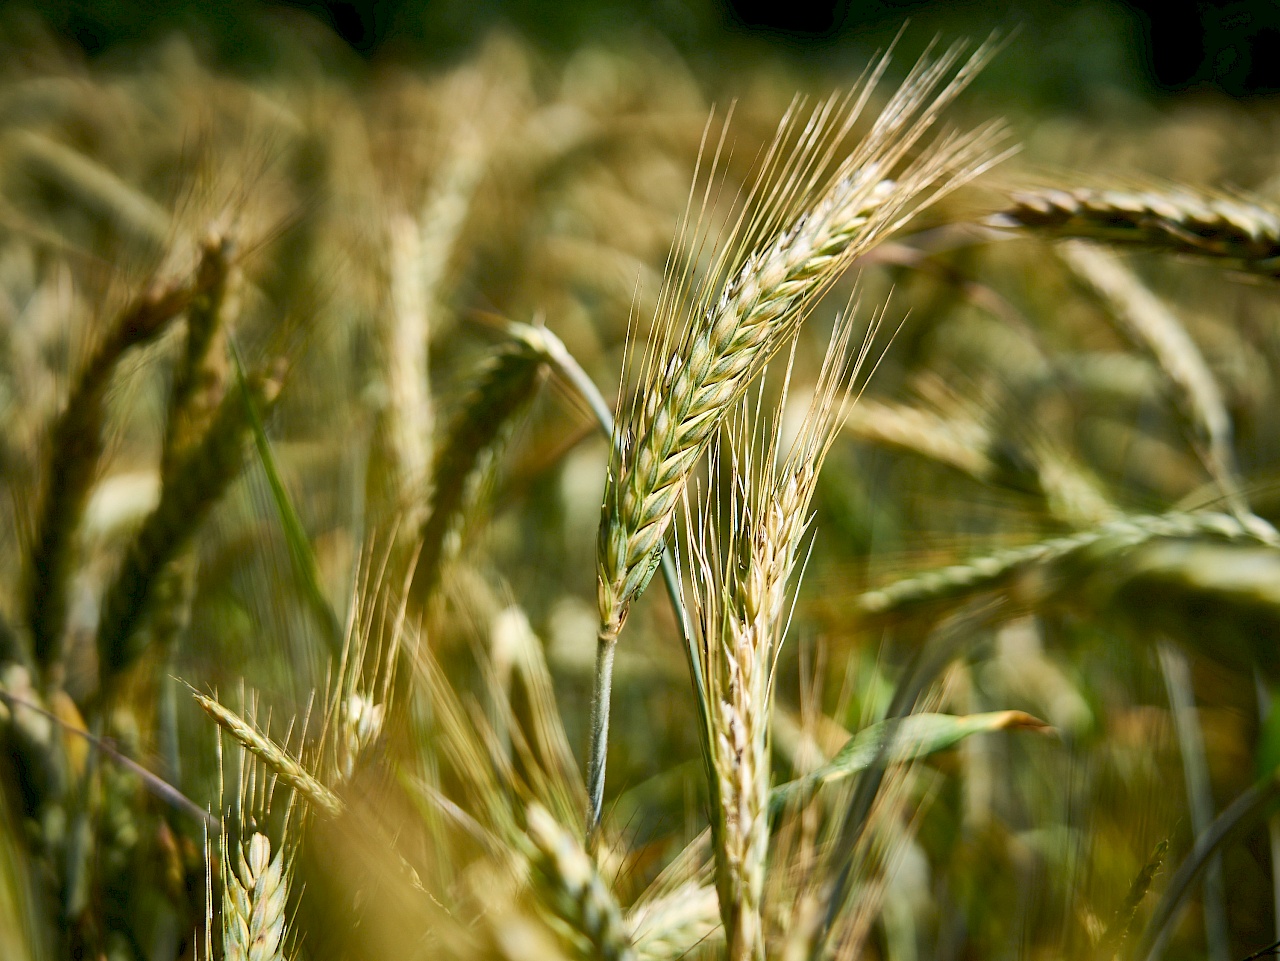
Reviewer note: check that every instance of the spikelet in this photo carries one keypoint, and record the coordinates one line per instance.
(1241, 232)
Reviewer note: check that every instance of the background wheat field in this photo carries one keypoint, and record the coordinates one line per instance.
(639, 482)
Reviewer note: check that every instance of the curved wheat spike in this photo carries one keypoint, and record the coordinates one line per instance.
(806, 217)
(276, 758)
(505, 387)
(75, 449)
(1154, 326)
(1240, 232)
(992, 571)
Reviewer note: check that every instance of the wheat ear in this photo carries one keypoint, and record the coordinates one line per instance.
(505, 387)
(804, 223)
(671, 927)
(76, 447)
(961, 443)
(1241, 232)
(992, 571)
(741, 592)
(567, 881)
(274, 756)
(1150, 323)
(200, 373)
(255, 895)
(189, 493)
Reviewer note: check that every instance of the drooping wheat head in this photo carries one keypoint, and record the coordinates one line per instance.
(1242, 232)
(504, 389)
(190, 490)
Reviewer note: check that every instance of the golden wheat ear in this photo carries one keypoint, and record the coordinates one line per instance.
(1237, 231)
(816, 204)
(742, 567)
(503, 390)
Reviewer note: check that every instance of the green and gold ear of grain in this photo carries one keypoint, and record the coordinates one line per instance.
(1054, 559)
(743, 550)
(807, 216)
(503, 389)
(811, 211)
(273, 756)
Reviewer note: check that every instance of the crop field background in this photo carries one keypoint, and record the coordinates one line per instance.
(639, 481)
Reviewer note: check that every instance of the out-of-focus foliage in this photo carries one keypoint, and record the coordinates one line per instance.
(280, 326)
